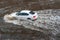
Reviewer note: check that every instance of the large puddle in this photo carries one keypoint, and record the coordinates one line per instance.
(45, 21)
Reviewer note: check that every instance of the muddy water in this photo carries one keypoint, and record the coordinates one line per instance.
(52, 33)
(10, 31)
(15, 32)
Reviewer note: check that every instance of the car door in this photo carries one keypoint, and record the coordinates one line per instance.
(22, 15)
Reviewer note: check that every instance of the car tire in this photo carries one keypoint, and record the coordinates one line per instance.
(29, 18)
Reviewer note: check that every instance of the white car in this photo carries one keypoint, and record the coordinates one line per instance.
(25, 14)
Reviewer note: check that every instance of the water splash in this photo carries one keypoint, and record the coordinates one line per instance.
(44, 22)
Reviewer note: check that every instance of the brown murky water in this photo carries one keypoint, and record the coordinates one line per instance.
(16, 32)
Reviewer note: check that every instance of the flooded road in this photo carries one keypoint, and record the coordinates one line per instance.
(12, 31)
(37, 31)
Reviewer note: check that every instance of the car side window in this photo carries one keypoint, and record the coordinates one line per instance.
(23, 14)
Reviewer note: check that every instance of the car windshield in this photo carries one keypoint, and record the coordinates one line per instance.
(31, 12)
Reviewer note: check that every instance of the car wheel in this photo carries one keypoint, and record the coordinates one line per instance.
(29, 18)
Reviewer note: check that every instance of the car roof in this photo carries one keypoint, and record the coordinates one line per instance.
(25, 11)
